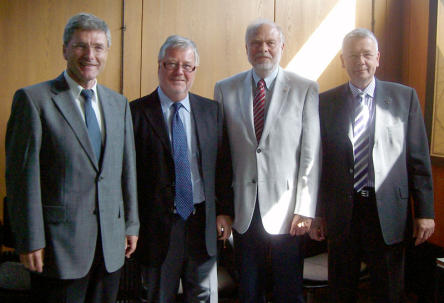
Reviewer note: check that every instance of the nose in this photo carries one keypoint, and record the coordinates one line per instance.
(89, 52)
(263, 47)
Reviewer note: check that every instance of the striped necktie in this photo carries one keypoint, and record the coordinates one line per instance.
(361, 143)
(259, 109)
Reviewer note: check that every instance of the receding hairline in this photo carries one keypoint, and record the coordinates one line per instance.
(358, 34)
(255, 25)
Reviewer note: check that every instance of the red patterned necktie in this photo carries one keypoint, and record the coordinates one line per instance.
(259, 109)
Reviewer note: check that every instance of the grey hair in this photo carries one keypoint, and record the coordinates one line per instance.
(360, 33)
(176, 41)
(252, 28)
(85, 21)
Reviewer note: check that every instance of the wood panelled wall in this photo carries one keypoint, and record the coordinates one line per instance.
(31, 42)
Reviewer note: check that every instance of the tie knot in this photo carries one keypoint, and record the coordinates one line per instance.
(261, 84)
(87, 94)
(176, 106)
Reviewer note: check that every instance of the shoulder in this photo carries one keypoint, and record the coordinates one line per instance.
(202, 101)
(295, 79)
(145, 100)
(333, 93)
(393, 86)
(109, 93)
(233, 80)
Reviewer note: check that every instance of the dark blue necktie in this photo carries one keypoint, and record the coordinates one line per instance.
(91, 123)
(184, 190)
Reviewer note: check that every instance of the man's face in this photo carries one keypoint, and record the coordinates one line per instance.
(86, 55)
(264, 49)
(174, 79)
(360, 58)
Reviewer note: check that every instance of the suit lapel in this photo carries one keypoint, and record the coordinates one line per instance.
(109, 115)
(154, 115)
(279, 97)
(201, 121)
(381, 109)
(65, 103)
(340, 111)
(245, 105)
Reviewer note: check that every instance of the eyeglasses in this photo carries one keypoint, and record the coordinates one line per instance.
(173, 66)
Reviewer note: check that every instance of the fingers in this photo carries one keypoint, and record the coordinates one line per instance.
(223, 226)
(130, 245)
(33, 260)
(223, 231)
(300, 225)
(423, 230)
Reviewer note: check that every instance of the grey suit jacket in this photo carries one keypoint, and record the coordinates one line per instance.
(282, 170)
(400, 154)
(57, 191)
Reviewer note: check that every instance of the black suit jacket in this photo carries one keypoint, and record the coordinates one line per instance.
(400, 155)
(156, 176)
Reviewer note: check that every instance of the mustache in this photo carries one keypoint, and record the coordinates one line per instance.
(262, 55)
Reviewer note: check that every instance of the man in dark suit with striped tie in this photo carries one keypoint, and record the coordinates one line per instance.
(375, 157)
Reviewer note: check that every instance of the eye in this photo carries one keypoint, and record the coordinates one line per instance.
(99, 48)
(80, 46)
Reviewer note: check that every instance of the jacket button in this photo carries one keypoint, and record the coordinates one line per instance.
(259, 150)
(253, 181)
(350, 170)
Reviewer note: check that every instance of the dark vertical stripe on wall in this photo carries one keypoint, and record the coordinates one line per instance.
(122, 56)
(431, 66)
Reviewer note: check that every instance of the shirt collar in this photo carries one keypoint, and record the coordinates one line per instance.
(76, 88)
(268, 80)
(369, 90)
(166, 102)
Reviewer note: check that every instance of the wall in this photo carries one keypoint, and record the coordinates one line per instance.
(31, 43)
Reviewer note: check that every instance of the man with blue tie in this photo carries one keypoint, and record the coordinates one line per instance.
(184, 181)
(71, 175)
(375, 158)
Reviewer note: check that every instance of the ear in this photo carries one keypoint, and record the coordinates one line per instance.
(342, 60)
(377, 59)
(65, 55)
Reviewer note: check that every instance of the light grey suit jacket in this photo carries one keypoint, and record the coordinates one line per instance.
(400, 154)
(282, 170)
(57, 191)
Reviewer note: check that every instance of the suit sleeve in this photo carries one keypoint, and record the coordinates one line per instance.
(418, 162)
(129, 180)
(23, 142)
(309, 160)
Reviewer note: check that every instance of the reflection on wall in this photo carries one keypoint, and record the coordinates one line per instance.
(437, 144)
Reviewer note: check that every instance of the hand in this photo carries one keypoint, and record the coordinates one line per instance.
(33, 260)
(130, 245)
(300, 225)
(223, 225)
(423, 229)
(317, 230)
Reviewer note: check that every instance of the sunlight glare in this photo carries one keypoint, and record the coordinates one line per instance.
(326, 41)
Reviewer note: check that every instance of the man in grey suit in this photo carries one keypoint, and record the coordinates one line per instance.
(184, 181)
(273, 127)
(375, 158)
(71, 175)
